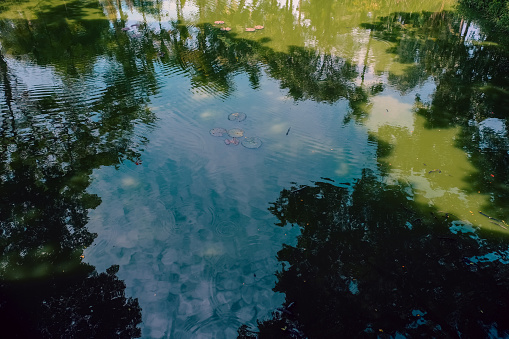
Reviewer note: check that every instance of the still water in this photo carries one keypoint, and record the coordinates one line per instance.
(372, 138)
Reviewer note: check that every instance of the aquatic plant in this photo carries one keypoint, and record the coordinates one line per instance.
(218, 132)
(251, 142)
(235, 132)
(237, 116)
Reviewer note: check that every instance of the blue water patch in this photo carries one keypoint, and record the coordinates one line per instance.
(353, 287)
(462, 227)
(501, 256)
(420, 319)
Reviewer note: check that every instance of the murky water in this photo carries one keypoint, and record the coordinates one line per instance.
(118, 147)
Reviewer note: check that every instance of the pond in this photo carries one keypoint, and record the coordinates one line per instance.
(214, 169)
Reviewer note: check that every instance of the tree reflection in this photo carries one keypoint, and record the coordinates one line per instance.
(218, 56)
(78, 304)
(64, 34)
(46, 162)
(469, 65)
(367, 262)
(51, 141)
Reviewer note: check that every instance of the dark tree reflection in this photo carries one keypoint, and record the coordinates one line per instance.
(50, 142)
(81, 304)
(45, 289)
(368, 262)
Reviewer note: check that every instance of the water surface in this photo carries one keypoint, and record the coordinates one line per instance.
(107, 155)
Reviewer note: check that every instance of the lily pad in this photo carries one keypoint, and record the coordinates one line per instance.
(251, 142)
(218, 132)
(237, 116)
(235, 132)
(232, 141)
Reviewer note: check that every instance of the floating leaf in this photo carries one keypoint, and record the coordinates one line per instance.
(232, 141)
(218, 132)
(251, 142)
(237, 116)
(235, 132)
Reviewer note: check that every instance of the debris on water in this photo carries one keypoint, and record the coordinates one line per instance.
(258, 27)
(498, 222)
(238, 116)
(298, 189)
(288, 130)
(251, 142)
(227, 29)
(235, 132)
(487, 216)
(250, 29)
(219, 22)
(218, 132)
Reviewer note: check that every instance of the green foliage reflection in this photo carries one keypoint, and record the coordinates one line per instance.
(471, 80)
(51, 141)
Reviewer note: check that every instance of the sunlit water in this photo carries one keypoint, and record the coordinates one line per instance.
(186, 218)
